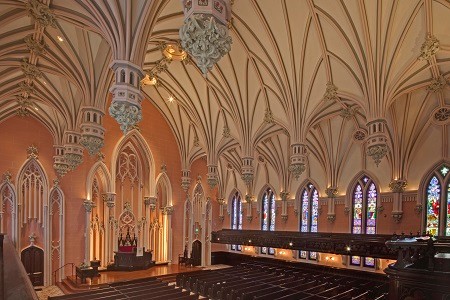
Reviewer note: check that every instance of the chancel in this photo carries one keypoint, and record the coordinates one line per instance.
(248, 149)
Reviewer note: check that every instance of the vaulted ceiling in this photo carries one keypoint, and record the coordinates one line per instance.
(264, 96)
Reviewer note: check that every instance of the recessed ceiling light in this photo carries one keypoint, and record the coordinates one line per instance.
(171, 98)
(35, 108)
(60, 38)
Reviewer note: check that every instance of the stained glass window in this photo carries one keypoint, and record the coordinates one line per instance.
(444, 170)
(357, 209)
(437, 202)
(364, 214)
(433, 201)
(236, 217)
(369, 262)
(447, 231)
(268, 217)
(356, 260)
(309, 215)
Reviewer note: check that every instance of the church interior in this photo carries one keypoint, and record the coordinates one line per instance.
(240, 149)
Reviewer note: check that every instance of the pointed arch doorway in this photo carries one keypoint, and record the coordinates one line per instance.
(33, 260)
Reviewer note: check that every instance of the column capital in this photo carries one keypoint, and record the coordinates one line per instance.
(150, 201)
(398, 185)
(331, 191)
(109, 198)
(88, 205)
(168, 210)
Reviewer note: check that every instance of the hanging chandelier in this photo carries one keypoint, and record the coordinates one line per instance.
(204, 34)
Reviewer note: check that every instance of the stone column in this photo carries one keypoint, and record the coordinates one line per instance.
(150, 205)
(167, 220)
(248, 199)
(109, 198)
(284, 205)
(221, 202)
(88, 205)
(331, 194)
(397, 186)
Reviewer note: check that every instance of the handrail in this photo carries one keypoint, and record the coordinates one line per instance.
(54, 272)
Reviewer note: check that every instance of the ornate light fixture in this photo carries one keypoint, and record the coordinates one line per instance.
(204, 34)
(92, 131)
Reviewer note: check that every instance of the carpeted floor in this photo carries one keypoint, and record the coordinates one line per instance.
(52, 290)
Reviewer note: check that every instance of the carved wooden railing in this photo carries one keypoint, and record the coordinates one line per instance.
(419, 252)
(422, 268)
(16, 283)
(337, 243)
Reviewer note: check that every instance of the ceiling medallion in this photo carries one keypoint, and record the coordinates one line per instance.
(441, 115)
(204, 34)
(359, 135)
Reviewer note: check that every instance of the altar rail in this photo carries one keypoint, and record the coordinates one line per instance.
(373, 245)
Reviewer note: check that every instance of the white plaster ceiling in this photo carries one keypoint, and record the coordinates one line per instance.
(283, 54)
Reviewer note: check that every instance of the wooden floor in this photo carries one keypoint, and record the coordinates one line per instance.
(114, 276)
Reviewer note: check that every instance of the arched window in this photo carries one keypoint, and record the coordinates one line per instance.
(236, 217)
(364, 213)
(268, 216)
(437, 206)
(309, 206)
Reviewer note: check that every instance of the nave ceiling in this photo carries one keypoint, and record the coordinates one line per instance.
(264, 100)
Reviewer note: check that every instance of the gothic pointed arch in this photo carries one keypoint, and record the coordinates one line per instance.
(163, 181)
(135, 138)
(263, 190)
(267, 205)
(57, 229)
(236, 205)
(435, 202)
(307, 199)
(101, 170)
(8, 209)
(33, 213)
(354, 181)
(364, 198)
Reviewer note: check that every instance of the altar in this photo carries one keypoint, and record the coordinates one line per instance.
(129, 257)
(129, 261)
